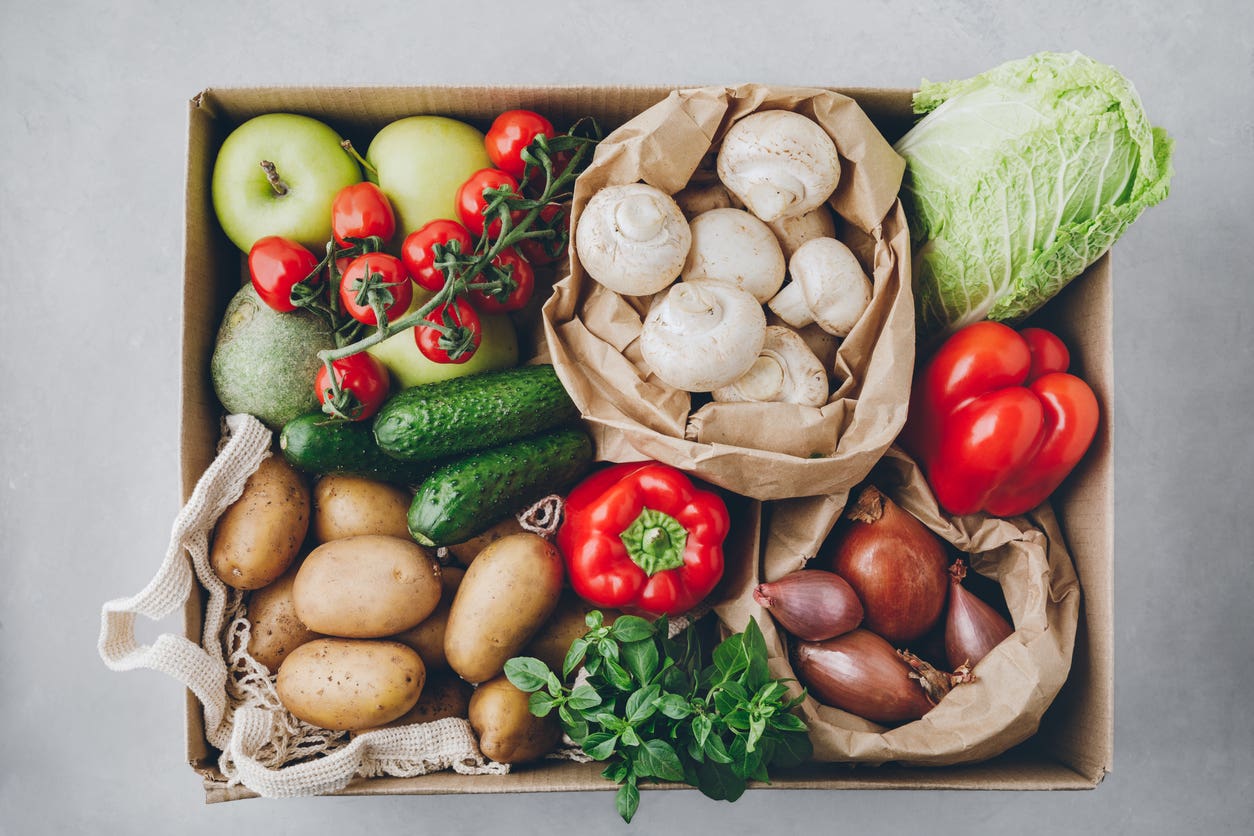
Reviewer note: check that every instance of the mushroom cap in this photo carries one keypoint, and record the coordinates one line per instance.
(778, 163)
(786, 371)
(632, 239)
(733, 246)
(702, 335)
(702, 196)
(833, 288)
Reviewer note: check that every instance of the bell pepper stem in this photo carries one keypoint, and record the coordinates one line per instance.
(655, 541)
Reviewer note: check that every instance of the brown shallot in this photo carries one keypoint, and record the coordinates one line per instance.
(894, 563)
(812, 604)
(861, 673)
(972, 627)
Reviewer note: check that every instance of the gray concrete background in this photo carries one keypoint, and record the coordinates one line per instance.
(92, 118)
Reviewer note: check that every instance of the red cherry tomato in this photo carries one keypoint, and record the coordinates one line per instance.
(504, 301)
(360, 211)
(510, 133)
(471, 203)
(419, 256)
(275, 266)
(361, 375)
(457, 342)
(389, 280)
(546, 250)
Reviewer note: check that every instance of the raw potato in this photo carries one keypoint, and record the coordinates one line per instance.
(369, 586)
(466, 552)
(346, 506)
(508, 593)
(428, 637)
(567, 623)
(276, 630)
(445, 695)
(260, 534)
(343, 684)
(508, 731)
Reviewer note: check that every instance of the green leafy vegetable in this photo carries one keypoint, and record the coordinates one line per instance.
(652, 711)
(1018, 179)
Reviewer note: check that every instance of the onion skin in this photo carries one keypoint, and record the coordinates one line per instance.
(860, 672)
(811, 604)
(972, 627)
(895, 564)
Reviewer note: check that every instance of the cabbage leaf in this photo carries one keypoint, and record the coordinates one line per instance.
(1020, 178)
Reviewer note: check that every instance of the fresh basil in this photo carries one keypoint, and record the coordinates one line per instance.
(651, 710)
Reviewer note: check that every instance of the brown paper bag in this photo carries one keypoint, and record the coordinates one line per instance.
(1015, 682)
(764, 451)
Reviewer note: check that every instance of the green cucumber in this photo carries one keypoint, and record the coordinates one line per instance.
(467, 496)
(454, 417)
(318, 444)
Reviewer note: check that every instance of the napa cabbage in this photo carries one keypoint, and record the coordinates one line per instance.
(1018, 179)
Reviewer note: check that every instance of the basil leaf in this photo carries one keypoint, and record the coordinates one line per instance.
(616, 676)
(527, 673)
(715, 750)
(628, 800)
(702, 725)
(792, 749)
(674, 706)
(585, 697)
(616, 772)
(729, 656)
(641, 705)
(640, 658)
(600, 745)
(574, 656)
(631, 628)
(541, 704)
(788, 723)
(719, 782)
(754, 645)
(658, 759)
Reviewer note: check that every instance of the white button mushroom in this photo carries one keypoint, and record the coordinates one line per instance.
(702, 335)
(702, 194)
(632, 239)
(778, 163)
(828, 287)
(731, 245)
(786, 371)
(795, 230)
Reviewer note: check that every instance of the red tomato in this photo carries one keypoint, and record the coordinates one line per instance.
(363, 377)
(471, 203)
(360, 211)
(537, 250)
(419, 256)
(459, 337)
(503, 301)
(275, 266)
(390, 282)
(510, 133)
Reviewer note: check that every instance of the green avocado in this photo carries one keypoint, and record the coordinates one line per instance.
(264, 362)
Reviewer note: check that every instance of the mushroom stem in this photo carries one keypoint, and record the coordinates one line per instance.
(790, 305)
(639, 218)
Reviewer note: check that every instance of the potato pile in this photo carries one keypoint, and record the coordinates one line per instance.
(363, 628)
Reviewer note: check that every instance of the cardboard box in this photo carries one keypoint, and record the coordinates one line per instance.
(1072, 750)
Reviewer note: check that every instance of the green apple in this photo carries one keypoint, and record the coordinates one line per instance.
(420, 162)
(409, 367)
(293, 199)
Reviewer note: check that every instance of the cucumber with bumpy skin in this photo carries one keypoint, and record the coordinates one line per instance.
(319, 444)
(467, 496)
(453, 417)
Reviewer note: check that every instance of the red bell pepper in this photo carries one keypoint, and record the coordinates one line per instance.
(995, 422)
(640, 537)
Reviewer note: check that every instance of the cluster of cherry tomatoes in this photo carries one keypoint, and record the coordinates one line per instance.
(374, 283)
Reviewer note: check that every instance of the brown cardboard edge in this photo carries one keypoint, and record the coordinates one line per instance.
(1083, 316)
(1088, 494)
